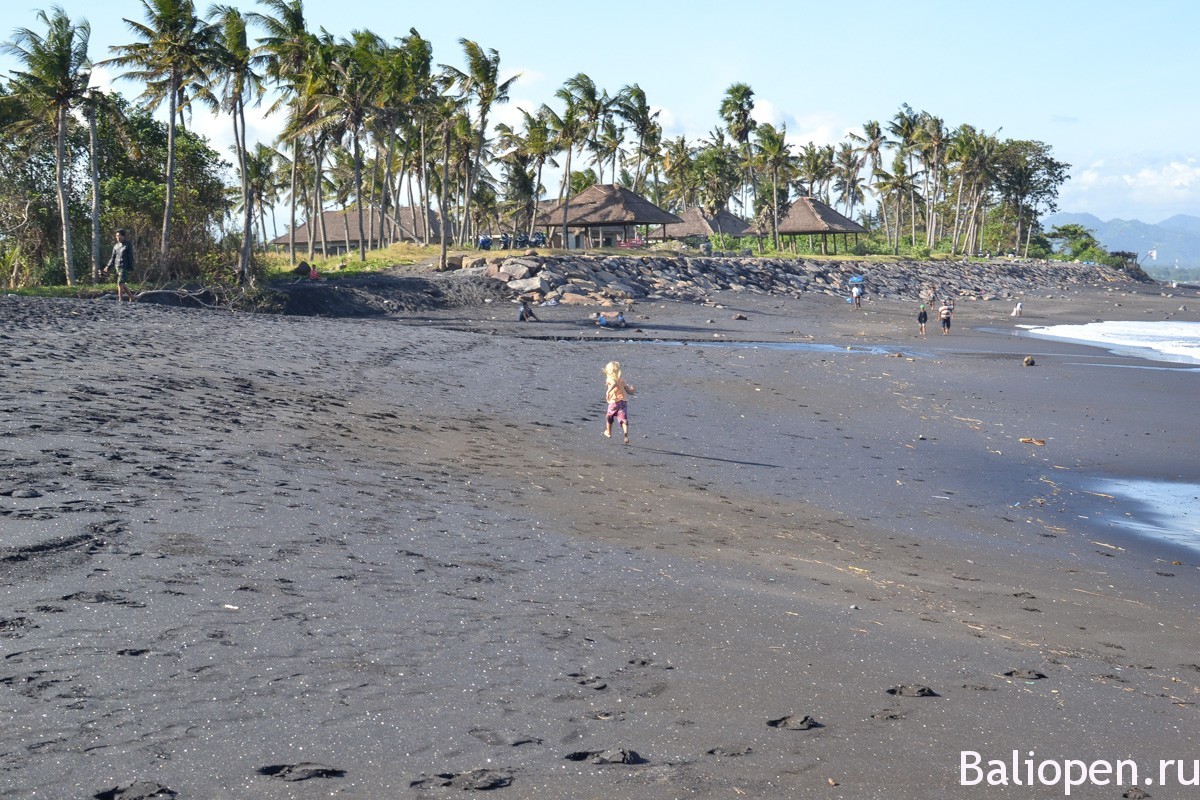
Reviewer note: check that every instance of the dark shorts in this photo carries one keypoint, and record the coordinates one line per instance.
(618, 411)
(946, 323)
(122, 274)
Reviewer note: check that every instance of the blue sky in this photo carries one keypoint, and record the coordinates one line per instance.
(1109, 86)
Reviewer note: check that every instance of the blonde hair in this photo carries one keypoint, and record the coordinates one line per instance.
(612, 371)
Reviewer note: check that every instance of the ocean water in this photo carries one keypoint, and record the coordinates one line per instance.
(1175, 342)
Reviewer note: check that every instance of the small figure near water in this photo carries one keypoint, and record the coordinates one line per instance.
(616, 395)
(922, 318)
(944, 314)
(1016, 312)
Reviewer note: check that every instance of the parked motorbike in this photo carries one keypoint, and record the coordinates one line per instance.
(505, 241)
(537, 240)
(485, 242)
(522, 241)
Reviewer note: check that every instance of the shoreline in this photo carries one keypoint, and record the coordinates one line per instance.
(283, 557)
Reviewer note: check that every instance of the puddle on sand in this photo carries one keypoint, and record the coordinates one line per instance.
(797, 347)
(1161, 509)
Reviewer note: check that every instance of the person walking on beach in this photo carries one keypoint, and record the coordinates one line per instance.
(944, 314)
(856, 295)
(616, 395)
(122, 262)
(922, 318)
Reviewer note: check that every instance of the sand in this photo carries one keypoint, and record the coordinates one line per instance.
(273, 557)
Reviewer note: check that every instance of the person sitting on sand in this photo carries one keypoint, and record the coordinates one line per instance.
(944, 314)
(525, 313)
(1016, 312)
(616, 395)
(922, 318)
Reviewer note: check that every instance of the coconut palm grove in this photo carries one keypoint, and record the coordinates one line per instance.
(375, 122)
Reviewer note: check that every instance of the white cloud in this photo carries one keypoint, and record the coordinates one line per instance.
(1124, 190)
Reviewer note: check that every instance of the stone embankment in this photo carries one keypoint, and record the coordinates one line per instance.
(607, 279)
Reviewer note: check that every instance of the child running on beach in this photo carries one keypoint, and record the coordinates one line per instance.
(616, 394)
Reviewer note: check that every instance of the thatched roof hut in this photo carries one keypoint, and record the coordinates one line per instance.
(606, 206)
(342, 233)
(808, 215)
(696, 222)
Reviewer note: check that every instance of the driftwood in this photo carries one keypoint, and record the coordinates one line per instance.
(204, 297)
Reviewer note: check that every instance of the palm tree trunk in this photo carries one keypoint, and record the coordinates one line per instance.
(292, 221)
(169, 204)
(445, 192)
(239, 138)
(95, 170)
(64, 210)
(567, 197)
(425, 192)
(362, 231)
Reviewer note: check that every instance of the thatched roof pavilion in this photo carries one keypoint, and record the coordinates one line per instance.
(696, 223)
(808, 215)
(606, 206)
(342, 233)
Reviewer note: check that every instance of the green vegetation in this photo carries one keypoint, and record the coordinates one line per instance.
(371, 125)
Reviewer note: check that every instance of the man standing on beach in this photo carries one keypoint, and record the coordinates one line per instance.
(944, 314)
(122, 262)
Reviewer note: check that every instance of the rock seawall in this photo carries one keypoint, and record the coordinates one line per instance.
(606, 279)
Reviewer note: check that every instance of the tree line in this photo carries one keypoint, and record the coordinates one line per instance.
(372, 125)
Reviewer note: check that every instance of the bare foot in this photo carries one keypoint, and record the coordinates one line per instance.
(626, 440)
(607, 434)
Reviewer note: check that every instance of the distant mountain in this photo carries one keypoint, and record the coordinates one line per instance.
(1175, 240)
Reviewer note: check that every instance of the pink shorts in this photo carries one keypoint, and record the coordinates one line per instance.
(618, 411)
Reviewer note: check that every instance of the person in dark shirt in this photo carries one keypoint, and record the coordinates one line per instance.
(122, 263)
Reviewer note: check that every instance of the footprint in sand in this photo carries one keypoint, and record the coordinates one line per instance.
(795, 722)
(621, 756)
(300, 772)
(140, 790)
(474, 780)
(913, 690)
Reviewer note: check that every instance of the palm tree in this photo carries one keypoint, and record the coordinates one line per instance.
(774, 156)
(870, 148)
(592, 105)
(632, 107)
(286, 45)
(717, 174)
(897, 184)
(55, 76)
(481, 80)
(903, 128)
(570, 130)
(345, 97)
(233, 67)
(931, 139)
(678, 161)
(171, 53)
(847, 180)
(608, 146)
(264, 186)
(736, 108)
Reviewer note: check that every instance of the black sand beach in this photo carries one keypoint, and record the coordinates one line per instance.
(252, 556)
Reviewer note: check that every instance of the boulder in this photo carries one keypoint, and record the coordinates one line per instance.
(534, 284)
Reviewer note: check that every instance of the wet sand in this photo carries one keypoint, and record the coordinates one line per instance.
(265, 557)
